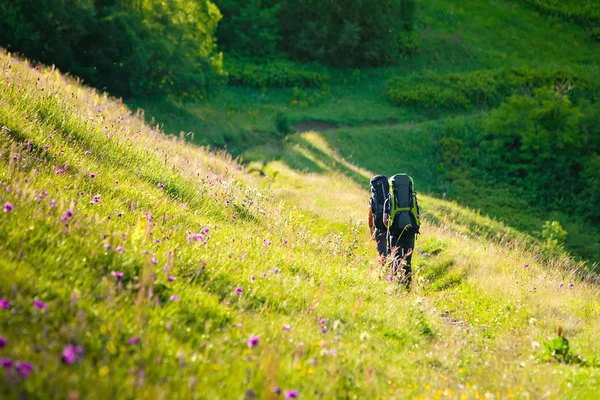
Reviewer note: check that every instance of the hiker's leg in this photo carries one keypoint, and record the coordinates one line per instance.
(381, 238)
(408, 245)
(395, 249)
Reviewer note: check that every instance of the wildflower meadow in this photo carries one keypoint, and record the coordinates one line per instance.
(138, 266)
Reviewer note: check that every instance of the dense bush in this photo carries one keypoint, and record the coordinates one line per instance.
(485, 88)
(128, 47)
(541, 145)
(348, 32)
(249, 28)
(581, 11)
(273, 74)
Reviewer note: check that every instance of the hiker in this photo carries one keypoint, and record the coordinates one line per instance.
(379, 192)
(402, 217)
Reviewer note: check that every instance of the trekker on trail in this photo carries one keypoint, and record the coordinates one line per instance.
(380, 190)
(402, 217)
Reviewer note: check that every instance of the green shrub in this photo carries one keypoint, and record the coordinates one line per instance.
(282, 123)
(273, 74)
(249, 28)
(141, 50)
(349, 32)
(485, 88)
(554, 237)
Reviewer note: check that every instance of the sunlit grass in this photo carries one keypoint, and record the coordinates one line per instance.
(211, 256)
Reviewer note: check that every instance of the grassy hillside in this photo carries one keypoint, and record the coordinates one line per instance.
(137, 265)
(353, 113)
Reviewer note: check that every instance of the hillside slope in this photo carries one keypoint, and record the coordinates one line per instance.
(467, 41)
(136, 265)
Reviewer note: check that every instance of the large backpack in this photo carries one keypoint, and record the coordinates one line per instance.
(380, 190)
(404, 209)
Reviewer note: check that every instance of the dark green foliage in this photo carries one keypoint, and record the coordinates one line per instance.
(349, 32)
(486, 88)
(580, 11)
(590, 195)
(282, 123)
(273, 74)
(249, 28)
(128, 48)
(535, 141)
(540, 147)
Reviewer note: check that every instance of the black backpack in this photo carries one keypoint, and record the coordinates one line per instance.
(380, 190)
(404, 208)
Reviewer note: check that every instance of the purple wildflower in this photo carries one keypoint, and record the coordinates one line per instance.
(23, 368)
(66, 218)
(286, 327)
(95, 199)
(205, 231)
(174, 297)
(134, 340)
(276, 271)
(571, 285)
(6, 363)
(197, 237)
(69, 355)
(526, 265)
(154, 261)
(8, 207)
(266, 242)
(3, 342)
(276, 389)
(47, 147)
(253, 341)
(117, 274)
(87, 153)
(59, 171)
(120, 214)
(40, 305)
(291, 394)
(171, 278)
(239, 291)
(561, 284)
(160, 185)
(253, 278)
(4, 304)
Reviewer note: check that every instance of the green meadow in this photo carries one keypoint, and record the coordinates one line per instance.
(216, 246)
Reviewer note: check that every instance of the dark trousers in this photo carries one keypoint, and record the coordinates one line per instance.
(402, 244)
(381, 239)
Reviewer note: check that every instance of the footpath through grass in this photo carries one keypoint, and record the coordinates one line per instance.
(139, 266)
